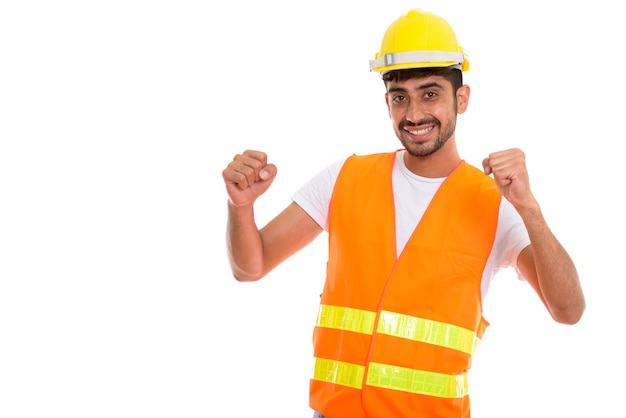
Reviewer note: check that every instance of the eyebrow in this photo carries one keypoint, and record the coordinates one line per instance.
(421, 87)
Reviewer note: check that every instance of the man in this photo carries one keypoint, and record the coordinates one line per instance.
(415, 236)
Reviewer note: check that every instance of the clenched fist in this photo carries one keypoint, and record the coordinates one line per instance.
(247, 177)
(509, 171)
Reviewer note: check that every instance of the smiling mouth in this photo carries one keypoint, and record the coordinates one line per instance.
(422, 131)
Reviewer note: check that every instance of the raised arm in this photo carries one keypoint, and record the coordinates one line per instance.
(545, 264)
(253, 253)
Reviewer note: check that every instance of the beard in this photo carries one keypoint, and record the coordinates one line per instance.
(424, 150)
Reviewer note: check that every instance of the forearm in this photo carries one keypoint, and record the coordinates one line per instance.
(244, 244)
(556, 273)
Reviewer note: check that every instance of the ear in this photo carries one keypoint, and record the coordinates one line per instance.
(462, 98)
(387, 102)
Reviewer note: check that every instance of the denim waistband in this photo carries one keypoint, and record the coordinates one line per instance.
(317, 415)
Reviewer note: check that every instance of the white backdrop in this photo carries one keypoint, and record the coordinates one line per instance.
(117, 119)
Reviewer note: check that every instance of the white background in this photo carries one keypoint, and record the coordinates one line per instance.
(117, 118)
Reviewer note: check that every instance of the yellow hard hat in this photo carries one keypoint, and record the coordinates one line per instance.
(419, 39)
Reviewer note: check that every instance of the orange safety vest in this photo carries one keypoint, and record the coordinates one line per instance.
(395, 334)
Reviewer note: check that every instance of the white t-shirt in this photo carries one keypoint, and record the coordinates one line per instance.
(412, 195)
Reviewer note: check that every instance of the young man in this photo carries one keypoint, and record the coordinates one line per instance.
(415, 236)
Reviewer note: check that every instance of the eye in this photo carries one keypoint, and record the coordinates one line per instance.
(398, 98)
(430, 95)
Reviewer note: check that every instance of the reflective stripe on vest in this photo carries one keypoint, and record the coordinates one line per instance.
(398, 325)
(349, 319)
(391, 377)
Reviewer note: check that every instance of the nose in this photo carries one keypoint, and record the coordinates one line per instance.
(414, 112)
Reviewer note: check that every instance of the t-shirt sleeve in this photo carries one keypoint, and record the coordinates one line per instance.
(314, 196)
(515, 237)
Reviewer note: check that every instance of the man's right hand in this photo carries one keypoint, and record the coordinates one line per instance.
(247, 177)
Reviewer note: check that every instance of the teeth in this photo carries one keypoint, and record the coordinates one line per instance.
(421, 131)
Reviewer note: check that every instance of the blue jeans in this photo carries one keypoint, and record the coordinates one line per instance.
(317, 415)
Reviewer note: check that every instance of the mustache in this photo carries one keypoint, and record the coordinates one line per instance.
(426, 121)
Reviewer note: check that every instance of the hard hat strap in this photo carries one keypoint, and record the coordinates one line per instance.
(416, 56)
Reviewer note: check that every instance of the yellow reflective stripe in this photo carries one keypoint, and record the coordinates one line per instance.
(427, 331)
(391, 377)
(338, 372)
(398, 325)
(417, 381)
(349, 319)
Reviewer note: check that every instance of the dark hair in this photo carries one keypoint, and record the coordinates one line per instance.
(453, 74)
